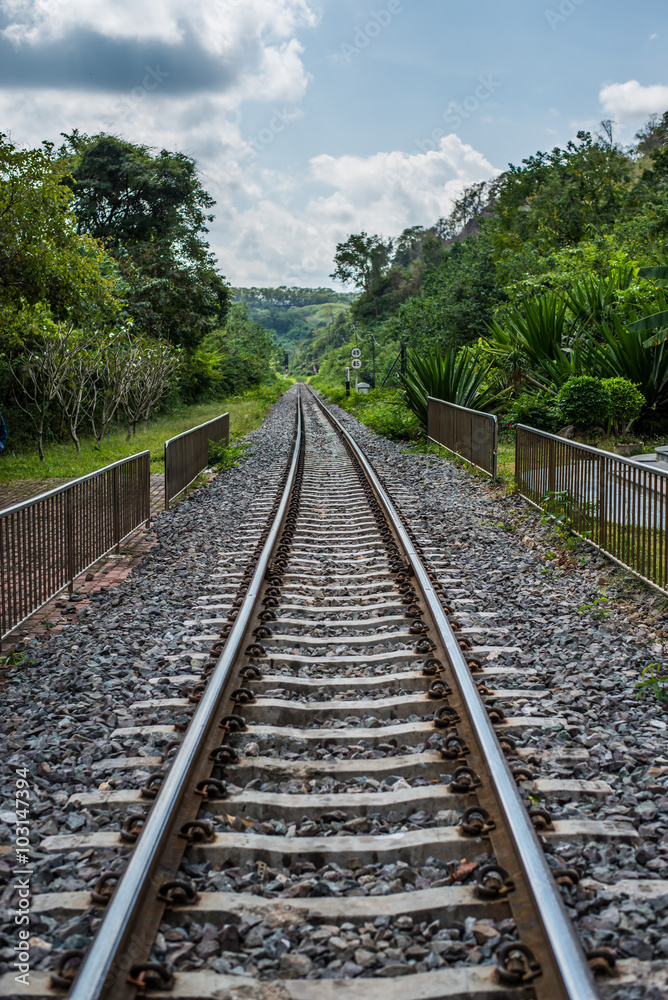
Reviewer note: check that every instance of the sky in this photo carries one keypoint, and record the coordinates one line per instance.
(314, 119)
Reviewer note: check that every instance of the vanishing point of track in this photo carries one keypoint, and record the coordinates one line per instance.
(334, 575)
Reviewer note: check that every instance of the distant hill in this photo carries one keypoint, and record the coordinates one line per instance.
(294, 315)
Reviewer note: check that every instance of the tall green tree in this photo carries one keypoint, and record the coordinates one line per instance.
(458, 298)
(554, 198)
(151, 211)
(362, 261)
(44, 258)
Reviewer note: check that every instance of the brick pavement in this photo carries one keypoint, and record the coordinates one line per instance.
(17, 490)
(107, 572)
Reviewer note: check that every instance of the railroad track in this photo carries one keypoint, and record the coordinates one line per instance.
(344, 732)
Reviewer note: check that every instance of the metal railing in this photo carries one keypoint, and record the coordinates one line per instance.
(471, 434)
(46, 542)
(615, 503)
(188, 454)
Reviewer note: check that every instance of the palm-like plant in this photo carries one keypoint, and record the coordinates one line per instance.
(455, 375)
(542, 335)
(595, 298)
(625, 353)
(657, 321)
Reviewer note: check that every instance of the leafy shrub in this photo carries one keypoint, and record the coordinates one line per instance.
(393, 420)
(383, 410)
(225, 456)
(538, 409)
(584, 401)
(626, 402)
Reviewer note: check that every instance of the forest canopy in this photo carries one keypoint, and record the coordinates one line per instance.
(111, 302)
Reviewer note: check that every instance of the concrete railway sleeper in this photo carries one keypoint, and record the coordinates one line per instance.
(339, 679)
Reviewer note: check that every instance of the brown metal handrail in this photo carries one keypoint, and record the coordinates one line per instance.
(616, 504)
(47, 541)
(471, 434)
(187, 454)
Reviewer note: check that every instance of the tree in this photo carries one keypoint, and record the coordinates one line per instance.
(245, 349)
(111, 362)
(653, 134)
(554, 198)
(361, 261)
(152, 213)
(458, 299)
(40, 373)
(44, 258)
(74, 387)
(152, 370)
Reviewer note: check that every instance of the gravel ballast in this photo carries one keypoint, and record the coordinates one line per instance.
(584, 629)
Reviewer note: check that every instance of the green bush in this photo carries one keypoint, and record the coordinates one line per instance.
(383, 410)
(584, 401)
(393, 420)
(626, 402)
(537, 409)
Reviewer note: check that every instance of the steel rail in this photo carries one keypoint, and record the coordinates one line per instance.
(569, 960)
(125, 905)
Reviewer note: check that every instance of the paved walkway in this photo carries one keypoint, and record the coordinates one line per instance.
(17, 490)
(57, 613)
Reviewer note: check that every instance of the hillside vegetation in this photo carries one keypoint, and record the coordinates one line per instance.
(545, 290)
(296, 317)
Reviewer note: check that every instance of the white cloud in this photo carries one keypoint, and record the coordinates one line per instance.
(271, 227)
(221, 26)
(630, 102)
(388, 191)
(274, 242)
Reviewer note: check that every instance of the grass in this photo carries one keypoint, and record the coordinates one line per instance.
(62, 462)
(505, 460)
